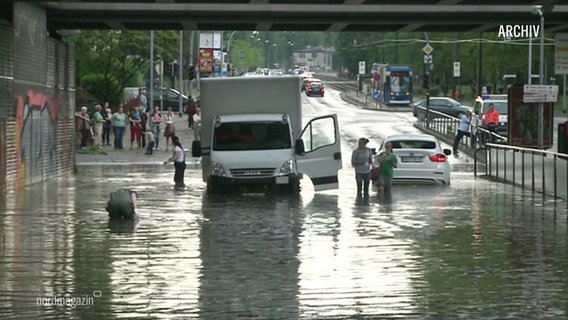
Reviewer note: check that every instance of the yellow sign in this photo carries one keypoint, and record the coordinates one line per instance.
(427, 49)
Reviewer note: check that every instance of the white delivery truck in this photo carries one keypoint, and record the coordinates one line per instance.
(252, 137)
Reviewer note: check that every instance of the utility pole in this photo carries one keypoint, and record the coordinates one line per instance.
(541, 81)
(150, 101)
(191, 36)
(180, 73)
(479, 62)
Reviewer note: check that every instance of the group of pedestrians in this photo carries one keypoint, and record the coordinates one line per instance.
(489, 121)
(365, 163)
(145, 130)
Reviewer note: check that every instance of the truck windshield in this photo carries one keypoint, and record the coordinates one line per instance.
(233, 136)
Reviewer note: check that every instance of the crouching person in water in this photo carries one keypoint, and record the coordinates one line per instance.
(178, 158)
(123, 204)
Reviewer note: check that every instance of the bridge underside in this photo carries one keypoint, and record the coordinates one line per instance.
(301, 15)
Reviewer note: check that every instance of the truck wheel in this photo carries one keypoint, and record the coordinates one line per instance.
(212, 187)
(292, 188)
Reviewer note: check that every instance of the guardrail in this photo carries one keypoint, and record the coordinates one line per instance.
(361, 97)
(446, 126)
(541, 170)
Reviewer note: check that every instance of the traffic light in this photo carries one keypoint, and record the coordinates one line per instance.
(426, 82)
(191, 72)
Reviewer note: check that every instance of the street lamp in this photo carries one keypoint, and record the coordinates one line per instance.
(285, 55)
(229, 46)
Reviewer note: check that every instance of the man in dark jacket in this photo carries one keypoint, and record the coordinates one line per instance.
(123, 204)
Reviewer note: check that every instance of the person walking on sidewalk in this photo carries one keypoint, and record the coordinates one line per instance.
(135, 133)
(197, 124)
(178, 158)
(106, 113)
(143, 125)
(119, 124)
(98, 123)
(156, 120)
(170, 130)
(84, 125)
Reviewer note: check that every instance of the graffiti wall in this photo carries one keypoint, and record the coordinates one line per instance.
(37, 105)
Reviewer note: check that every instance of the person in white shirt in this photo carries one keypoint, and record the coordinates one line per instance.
(463, 130)
(178, 158)
(197, 124)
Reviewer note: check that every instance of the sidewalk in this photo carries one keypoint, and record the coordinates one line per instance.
(135, 156)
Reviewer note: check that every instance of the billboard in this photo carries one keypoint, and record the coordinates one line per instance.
(523, 119)
(205, 60)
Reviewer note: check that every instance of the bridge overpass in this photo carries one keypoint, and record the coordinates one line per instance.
(298, 15)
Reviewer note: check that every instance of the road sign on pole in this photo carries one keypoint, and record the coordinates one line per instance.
(427, 49)
(456, 69)
(361, 67)
(540, 93)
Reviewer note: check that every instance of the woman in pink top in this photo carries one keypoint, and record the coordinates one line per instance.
(155, 121)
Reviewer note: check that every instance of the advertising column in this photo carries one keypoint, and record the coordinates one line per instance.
(210, 54)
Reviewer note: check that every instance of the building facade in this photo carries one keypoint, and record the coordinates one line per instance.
(37, 101)
(315, 59)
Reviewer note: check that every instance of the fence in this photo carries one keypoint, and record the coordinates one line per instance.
(362, 98)
(445, 128)
(540, 170)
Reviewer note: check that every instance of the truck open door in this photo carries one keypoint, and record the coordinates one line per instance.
(320, 156)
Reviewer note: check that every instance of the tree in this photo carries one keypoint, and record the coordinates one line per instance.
(109, 60)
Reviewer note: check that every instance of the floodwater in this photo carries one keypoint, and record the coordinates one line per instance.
(473, 250)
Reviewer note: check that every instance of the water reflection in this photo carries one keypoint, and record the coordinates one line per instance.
(473, 250)
(249, 258)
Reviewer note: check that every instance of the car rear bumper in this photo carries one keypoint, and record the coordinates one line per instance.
(422, 176)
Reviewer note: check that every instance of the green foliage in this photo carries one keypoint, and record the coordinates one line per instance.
(91, 150)
(498, 57)
(109, 60)
(253, 55)
(100, 85)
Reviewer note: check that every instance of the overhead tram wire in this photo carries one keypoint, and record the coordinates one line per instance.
(385, 42)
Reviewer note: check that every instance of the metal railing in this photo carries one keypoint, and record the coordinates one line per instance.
(543, 171)
(361, 97)
(447, 126)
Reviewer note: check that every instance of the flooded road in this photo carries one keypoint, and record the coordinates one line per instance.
(472, 250)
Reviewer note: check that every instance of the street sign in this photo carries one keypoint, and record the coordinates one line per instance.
(561, 53)
(540, 93)
(539, 97)
(456, 69)
(361, 67)
(427, 49)
(428, 59)
(540, 88)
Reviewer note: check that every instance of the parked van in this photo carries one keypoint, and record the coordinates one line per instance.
(252, 137)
